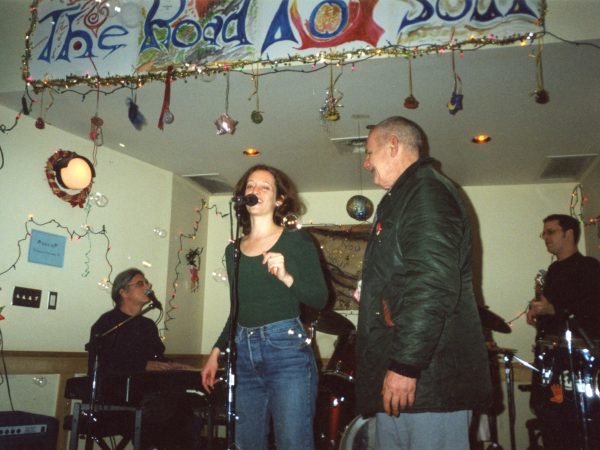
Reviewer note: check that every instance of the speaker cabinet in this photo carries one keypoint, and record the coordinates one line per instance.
(21, 430)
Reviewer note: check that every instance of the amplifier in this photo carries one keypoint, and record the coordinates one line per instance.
(21, 430)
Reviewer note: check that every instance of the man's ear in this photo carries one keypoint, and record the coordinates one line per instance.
(394, 144)
(571, 233)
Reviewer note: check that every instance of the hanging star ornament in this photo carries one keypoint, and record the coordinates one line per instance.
(225, 124)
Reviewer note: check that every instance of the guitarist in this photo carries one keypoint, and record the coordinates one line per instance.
(571, 289)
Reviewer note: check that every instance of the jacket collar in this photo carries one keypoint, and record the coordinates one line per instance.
(422, 161)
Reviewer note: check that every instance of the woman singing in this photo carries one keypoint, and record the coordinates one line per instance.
(279, 269)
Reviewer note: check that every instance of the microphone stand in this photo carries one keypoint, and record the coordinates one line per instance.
(231, 351)
(95, 345)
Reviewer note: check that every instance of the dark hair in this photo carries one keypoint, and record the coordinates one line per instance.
(285, 191)
(407, 131)
(121, 282)
(566, 223)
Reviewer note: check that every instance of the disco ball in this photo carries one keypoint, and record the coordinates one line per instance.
(359, 207)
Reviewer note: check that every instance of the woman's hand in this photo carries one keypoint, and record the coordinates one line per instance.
(276, 266)
(209, 371)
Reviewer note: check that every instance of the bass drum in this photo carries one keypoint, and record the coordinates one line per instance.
(360, 434)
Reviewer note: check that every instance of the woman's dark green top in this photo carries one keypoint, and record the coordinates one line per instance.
(263, 298)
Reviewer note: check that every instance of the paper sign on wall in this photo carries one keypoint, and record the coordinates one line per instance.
(47, 248)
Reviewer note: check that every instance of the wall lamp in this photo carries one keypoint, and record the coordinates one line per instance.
(74, 171)
(68, 170)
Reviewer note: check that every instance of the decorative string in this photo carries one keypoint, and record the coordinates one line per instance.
(72, 235)
(169, 312)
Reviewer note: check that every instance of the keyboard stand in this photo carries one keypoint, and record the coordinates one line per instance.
(99, 434)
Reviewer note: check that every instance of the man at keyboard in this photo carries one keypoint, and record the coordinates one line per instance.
(135, 347)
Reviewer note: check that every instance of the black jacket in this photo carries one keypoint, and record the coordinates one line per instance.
(417, 308)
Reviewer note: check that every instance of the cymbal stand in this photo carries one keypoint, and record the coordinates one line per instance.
(578, 397)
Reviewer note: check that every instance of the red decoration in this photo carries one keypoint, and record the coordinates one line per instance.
(166, 100)
(411, 102)
(40, 124)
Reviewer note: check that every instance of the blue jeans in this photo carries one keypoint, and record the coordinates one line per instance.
(276, 378)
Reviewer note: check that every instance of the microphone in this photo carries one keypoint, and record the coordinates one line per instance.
(155, 303)
(241, 200)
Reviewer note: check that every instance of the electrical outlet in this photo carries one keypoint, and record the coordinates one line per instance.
(52, 299)
(30, 298)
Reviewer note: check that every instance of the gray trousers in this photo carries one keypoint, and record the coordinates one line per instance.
(423, 431)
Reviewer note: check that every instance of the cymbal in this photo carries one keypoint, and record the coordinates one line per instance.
(330, 322)
(492, 321)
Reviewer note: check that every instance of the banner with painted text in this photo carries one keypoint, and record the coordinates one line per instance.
(122, 39)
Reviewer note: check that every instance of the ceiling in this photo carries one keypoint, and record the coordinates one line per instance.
(497, 84)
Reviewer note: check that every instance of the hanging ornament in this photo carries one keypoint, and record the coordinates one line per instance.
(456, 100)
(136, 118)
(95, 134)
(40, 123)
(256, 115)
(193, 259)
(540, 95)
(410, 102)
(359, 207)
(165, 114)
(333, 97)
(24, 106)
(168, 118)
(224, 123)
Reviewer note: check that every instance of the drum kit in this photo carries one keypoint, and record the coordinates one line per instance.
(336, 424)
(557, 363)
(568, 378)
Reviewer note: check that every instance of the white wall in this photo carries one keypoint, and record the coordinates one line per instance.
(189, 228)
(591, 209)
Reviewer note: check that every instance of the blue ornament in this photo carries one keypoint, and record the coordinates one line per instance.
(359, 207)
(455, 104)
(136, 118)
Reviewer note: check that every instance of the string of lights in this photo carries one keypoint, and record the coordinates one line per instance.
(579, 199)
(73, 235)
(171, 306)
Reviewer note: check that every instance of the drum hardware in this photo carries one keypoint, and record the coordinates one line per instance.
(492, 321)
(336, 398)
(359, 435)
(331, 322)
(570, 367)
(508, 355)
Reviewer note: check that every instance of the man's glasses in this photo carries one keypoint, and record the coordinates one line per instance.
(141, 283)
(550, 232)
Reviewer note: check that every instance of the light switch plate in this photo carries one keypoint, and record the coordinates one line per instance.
(30, 298)
(52, 299)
